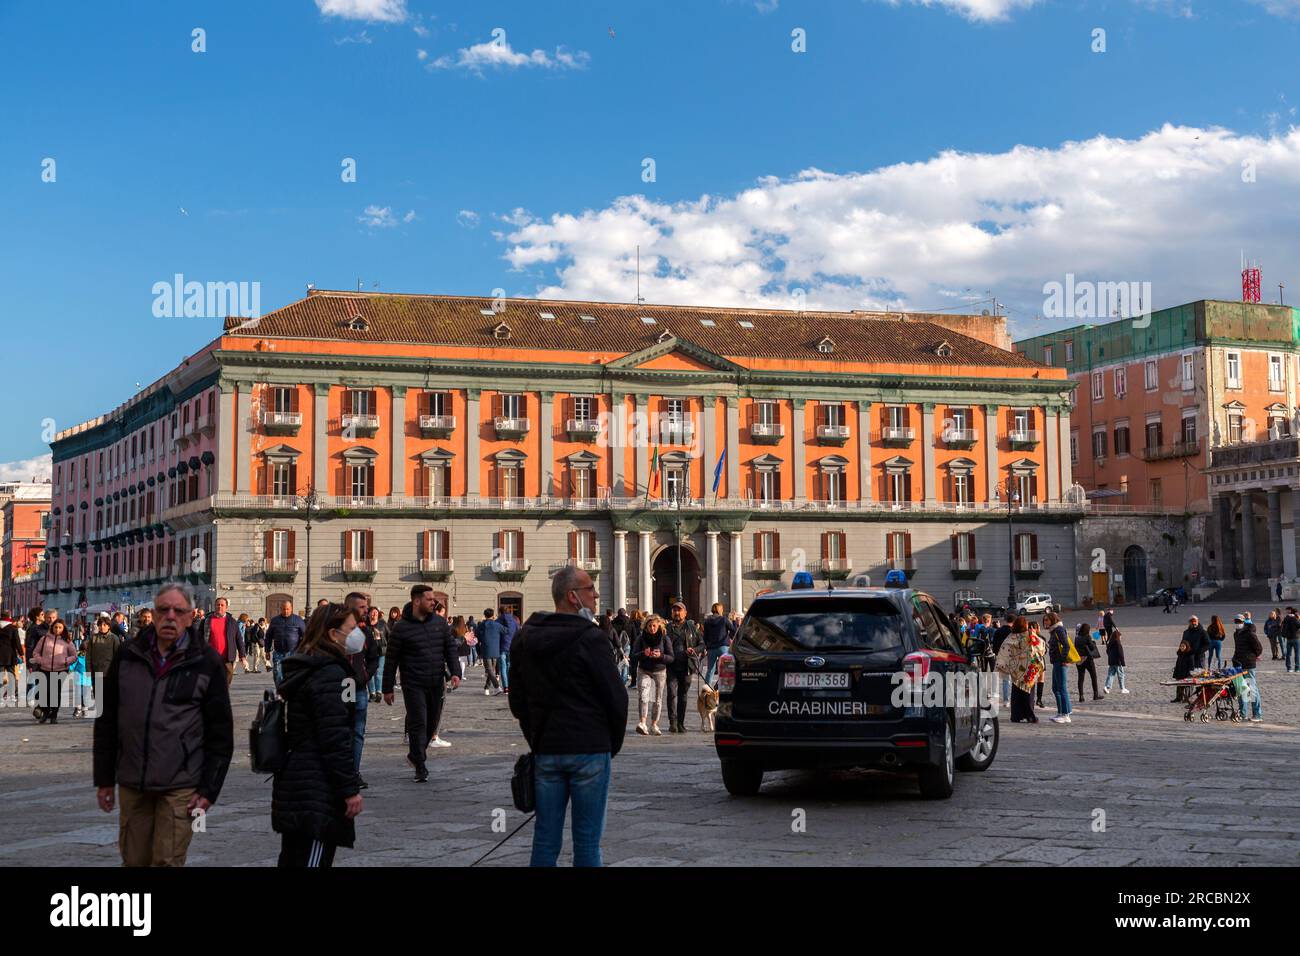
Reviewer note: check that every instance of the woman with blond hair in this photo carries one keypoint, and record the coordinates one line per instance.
(654, 652)
(634, 630)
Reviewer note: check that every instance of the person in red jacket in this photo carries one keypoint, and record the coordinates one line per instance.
(220, 631)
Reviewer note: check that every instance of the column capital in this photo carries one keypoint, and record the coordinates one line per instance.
(644, 534)
(712, 533)
(708, 401)
(731, 400)
(321, 389)
(642, 398)
(864, 404)
(473, 394)
(547, 396)
(799, 402)
(399, 391)
(992, 409)
(927, 408)
(620, 533)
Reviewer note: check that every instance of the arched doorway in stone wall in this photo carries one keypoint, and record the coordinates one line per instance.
(1135, 573)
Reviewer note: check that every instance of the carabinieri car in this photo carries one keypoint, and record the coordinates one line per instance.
(810, 683)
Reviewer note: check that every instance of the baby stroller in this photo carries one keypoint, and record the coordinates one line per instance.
(1212, 696)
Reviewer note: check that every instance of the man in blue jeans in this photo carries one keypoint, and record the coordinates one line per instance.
(511, 625)
(1245, 654)
(572, 709)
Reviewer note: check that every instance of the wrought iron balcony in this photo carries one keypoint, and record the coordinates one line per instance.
(768, 567)
(360, 569)
(961, 437)
(766, 433)
(280, 569)
(509, 428)
(1023, 439)
(366, 426)
(1028, 569)
(966, 567)
(582, 429)
(281, 423)
(1184, 449)
(676, 432)
(897, 436)
(510, 569)
(437, 426)
(832, 434)
(836, 568)
(436, 569)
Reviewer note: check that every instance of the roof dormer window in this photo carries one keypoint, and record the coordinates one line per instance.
(826, 346)
(358, 324)
(944, 350)
(664, 336)
(502, 331)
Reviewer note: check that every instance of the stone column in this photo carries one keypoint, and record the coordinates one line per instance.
(617, 446)
(1053, 457)
(244, 440)
(643, 570)
(709, 441)
(1247, 537)
(1227, 541)
(737, 573)
(927, 453)
(799, 458)
(643, 447)
(711, 562)
(225, 444)
(1067, 475)
(397, 434)
(473, 422)
(864, 450)
(620, 569)
(733, 448)
(1275, 532)
(546, 430)
(320, 478)
(991, 415)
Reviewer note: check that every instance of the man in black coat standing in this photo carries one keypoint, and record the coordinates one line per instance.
(420, 645)
(572, 709)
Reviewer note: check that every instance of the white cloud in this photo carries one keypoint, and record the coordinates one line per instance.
(39, 468)
(468, 218)
(362, 37)
(982, 10)
(421, 54)
(500, 55)
(1169, 208)
(378, 217)
(410, 216)
(386, 11)
(1280, 8)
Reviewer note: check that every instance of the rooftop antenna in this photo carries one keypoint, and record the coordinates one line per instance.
(1251, 276)
(639, 300)
(358, 285)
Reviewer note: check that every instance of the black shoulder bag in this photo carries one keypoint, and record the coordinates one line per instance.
(523, 779)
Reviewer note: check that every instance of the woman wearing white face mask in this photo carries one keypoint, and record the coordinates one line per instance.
(317, 795)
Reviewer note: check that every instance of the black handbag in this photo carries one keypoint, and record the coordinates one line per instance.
(522, 784)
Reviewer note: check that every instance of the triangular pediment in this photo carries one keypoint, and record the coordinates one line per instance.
(675, 354)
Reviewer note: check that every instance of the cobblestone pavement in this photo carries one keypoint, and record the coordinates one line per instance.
(1172, 793)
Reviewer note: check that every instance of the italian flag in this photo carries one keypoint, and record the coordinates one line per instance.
(654, 471)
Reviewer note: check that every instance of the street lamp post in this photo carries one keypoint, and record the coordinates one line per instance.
(308, 503)
(1013, 499)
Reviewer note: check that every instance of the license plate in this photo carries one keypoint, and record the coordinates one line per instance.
(815, 681)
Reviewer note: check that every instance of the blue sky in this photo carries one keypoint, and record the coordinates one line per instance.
(915, 156)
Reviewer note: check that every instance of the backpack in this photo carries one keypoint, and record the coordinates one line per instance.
(268, 737)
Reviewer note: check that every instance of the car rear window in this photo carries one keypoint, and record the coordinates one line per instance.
(823, 624)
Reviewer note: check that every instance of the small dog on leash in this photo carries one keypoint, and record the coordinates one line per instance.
(707, 702)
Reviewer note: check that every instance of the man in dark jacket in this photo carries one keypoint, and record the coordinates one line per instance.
(1291, 640)
(11, 656)
(572, 709)
(717, 635)
(511, 625)
(282, 636)
(422, 647)
(363, 664)
(220, 631)
(1246, 650)
(36, 629)
(1198, 642)
(165, 734)
(686, 641)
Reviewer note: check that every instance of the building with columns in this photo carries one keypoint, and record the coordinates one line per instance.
(1170, 410)
(353, 440)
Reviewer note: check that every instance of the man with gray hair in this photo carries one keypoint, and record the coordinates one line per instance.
(165, 734)
(572, 708)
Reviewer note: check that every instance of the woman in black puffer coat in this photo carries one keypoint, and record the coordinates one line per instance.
(318, 793)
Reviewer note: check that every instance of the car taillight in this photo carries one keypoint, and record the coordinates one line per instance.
(916, 666)
(726, 674)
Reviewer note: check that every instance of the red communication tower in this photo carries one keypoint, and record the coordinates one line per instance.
(1250, 280)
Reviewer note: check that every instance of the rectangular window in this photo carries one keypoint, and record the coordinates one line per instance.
(676, 410)
(1150, 376)
(439, 403)
(961, 491)
(1027, 485)
(1047, 355)
(834, 548)
(832, 415)
(584, 484)
(960, 418)
(437, 481)
(1234, 428)
(1074, 448)
(512, 406)
(1234, 369)
(1069, 352)
(675, 483)
(1155, 435)
(898, 549)
(583, 409)
(284, 399)
(361, 480)
(437, 543)
(766, 546)
(509, 479)
(898, 486)
(1275, 373)
(280, 547)
(282, 479)
(1099, 443)
(1121, 439)
(833, 486)
(584, 546)
(1026, 550)
(360, 545)
(897, 416)
(1189, 429)
(769, 485)
(1121, 382)
(1097, 387)
(1157, 495)
(360, 402)
(765, 413)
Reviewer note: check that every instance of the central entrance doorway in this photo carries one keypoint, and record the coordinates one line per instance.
(663, 574)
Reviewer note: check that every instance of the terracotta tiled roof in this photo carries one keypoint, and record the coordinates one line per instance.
(619, 328)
